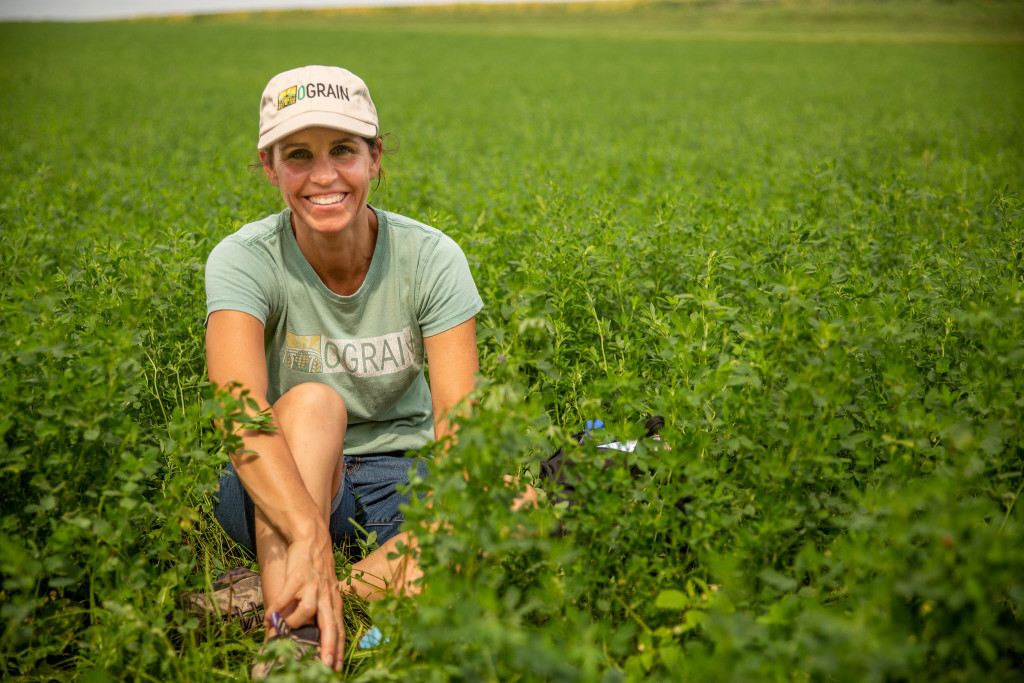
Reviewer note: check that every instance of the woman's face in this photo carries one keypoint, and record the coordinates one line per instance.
(324, 176)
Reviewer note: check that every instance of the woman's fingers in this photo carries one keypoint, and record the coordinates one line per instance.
(312, 594)
(307, 597)
(329, 616)
(336, 598)
(527, 497)
(306, 607)
(298, 600)
(332, 630)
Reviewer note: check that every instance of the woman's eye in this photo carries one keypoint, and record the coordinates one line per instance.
(298, 154)
(342, 150)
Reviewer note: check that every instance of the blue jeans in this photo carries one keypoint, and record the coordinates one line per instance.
(366, 496)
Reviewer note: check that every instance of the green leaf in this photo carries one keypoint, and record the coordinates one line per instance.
(672, 599)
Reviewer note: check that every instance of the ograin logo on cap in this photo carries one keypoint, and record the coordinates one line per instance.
(286, 97)
(295, 93)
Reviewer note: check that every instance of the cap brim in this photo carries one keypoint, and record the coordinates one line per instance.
(317, 119)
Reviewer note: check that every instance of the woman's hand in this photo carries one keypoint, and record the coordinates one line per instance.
(311, 591)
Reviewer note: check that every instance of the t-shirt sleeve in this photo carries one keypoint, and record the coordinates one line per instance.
(239, 279)
(447, 295)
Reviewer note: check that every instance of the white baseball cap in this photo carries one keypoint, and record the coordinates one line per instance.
(310, 96)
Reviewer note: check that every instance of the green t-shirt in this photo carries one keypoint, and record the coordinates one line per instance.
(368, 346)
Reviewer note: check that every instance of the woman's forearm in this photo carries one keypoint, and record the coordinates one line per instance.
(267, 470)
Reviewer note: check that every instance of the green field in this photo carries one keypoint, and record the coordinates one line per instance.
(795, 229)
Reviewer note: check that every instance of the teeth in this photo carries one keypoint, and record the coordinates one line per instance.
(323, 200)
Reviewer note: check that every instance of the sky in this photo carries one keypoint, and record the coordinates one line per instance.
(86, 10)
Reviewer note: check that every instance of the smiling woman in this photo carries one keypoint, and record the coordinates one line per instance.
(325, 314)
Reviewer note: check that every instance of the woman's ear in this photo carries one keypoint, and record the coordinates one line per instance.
(376, 152)
(267, 159)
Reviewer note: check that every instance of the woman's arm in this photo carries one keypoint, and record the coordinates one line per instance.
(268, 471)
(235, 353)
(452, 360)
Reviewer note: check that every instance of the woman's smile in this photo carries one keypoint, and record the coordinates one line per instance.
(327, 199)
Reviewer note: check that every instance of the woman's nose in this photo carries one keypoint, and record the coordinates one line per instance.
(323, 172)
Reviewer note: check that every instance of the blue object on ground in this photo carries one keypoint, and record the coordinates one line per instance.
(372, 639)
(593, 424)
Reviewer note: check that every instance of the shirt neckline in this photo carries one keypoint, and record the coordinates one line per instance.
(377, 263)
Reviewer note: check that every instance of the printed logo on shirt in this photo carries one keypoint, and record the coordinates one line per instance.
(370, 357)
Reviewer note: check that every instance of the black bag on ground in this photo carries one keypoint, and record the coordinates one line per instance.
(553, 470)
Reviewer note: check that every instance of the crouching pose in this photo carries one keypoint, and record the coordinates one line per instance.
(325, 314)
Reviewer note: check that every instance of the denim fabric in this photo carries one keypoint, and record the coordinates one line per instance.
(367, 495)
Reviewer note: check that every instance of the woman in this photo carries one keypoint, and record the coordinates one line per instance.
(324, 314)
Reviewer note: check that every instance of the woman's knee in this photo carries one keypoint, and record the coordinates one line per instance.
(314, 420)
(313, 400)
